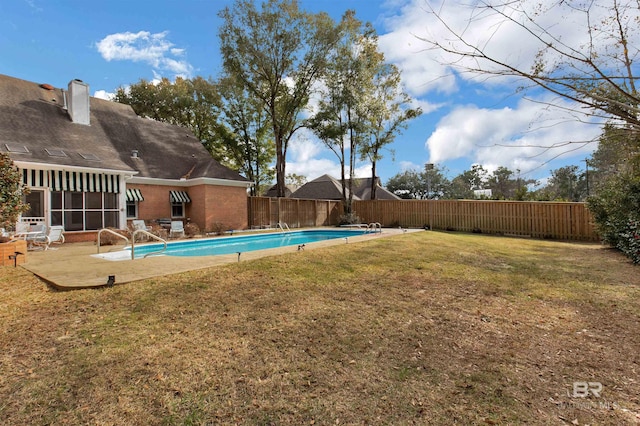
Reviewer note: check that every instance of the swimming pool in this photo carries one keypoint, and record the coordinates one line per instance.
(240, 244)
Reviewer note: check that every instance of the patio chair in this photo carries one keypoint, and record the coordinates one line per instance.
(177, 228)
(139, 224)
(44, 240)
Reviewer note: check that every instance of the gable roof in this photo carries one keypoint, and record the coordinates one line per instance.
(34, 116)
(328, 188)
(362, 188)
(273, 191)
(324, 187)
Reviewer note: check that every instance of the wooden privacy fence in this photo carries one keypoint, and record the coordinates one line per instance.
(563, 221)
(268, 212)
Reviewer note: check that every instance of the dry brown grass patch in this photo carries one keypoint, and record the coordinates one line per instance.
(429, 328)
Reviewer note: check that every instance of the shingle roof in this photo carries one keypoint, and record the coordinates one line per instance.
(273, 191)
(328, 188)
(34, 117)
(324, 187)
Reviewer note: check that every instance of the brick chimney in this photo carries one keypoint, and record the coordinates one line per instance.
(78, 103)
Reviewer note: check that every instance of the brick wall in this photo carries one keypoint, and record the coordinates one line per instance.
(9, 249)
(210, 205)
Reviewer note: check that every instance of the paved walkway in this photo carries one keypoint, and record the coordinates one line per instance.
(72, 266)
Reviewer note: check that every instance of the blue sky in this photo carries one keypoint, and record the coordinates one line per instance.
(467, 120)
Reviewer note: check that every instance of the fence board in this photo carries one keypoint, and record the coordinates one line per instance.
(555, 220)
(266, 212)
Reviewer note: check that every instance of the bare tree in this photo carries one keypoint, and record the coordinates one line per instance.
(593, 67)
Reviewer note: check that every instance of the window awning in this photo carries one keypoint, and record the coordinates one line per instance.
(134, 194)
(58, 180)
(179, 197)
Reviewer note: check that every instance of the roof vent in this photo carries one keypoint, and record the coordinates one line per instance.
(134, 153)
(90, 156)
(55, 152)
(16, 148)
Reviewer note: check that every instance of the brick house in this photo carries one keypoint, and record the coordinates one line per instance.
(92, 163)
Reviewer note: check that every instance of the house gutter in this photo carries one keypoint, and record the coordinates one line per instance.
(189, 182)
(66, 168)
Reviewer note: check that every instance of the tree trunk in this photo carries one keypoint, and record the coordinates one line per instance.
(373, 180)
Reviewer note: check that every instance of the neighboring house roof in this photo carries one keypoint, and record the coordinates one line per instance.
(35, 116)
(273, 191)
(328, 188)
(324, 187)
(362, 188)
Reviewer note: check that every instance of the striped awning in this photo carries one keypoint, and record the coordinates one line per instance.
(58, 180)
(179, 197)
(134, 194)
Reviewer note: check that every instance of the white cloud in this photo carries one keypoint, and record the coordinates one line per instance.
(409, 23)
(307, 156)
(512, 137)
(103, 94)
(409, 165)
(143, 46)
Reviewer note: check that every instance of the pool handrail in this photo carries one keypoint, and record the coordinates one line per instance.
(111, 231)
(148, 234)
(374, 226)
(280, 224)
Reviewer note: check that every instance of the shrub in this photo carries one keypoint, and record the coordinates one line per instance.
(629, 240)
(616, 204)
(191, 230)
(11, 192)
(349, 219)
(218, 228)
(108, 239)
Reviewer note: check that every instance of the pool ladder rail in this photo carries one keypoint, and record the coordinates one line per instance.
(133, 241)
(374, 227)
(283, 225)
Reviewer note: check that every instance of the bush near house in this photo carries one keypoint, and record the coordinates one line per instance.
(11, 193)
(629, 242)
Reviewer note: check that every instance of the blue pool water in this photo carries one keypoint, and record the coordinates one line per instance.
(231, 245)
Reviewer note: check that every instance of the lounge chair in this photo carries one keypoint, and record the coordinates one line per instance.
(139, 224)
(177, 228)
(44, 240)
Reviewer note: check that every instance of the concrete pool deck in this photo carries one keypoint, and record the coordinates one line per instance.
(72, 266)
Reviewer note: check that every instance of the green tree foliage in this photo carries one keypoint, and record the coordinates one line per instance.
(221, 114)
(245, 134)
(463, 185)
(407, 185)
(295, 180)
(615, 189)
(386, 113)
(277, 53)
(339, 121)
(427, 184)
(567, 184)
(12, 192)
(505, 184)
(432, 183)
(190, 103)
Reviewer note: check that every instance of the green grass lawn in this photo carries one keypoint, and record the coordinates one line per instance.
(422, 328)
